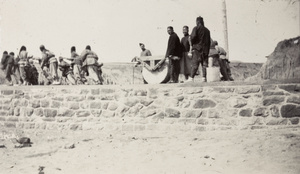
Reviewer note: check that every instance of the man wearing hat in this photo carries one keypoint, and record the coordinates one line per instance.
(200, 39)
(49, 61)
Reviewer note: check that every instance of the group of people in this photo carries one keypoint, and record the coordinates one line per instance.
(28, 70)
(186, 55)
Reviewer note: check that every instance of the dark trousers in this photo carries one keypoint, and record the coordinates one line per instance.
(8, 72)
(174, 69)
(223, 69)
(197, 59)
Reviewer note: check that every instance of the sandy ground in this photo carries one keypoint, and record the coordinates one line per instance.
(214, 152)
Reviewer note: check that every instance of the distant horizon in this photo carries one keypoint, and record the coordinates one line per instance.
(115, 28)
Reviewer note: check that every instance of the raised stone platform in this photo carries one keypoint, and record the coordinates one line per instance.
(150, 107)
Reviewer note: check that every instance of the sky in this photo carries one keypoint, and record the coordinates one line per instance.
(114, 28)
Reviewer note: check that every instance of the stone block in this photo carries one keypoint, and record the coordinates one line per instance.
(247, 90)
(20, 103)
(268, 87)
(130, 102)
(292, 88)
(2, 119)
(294, 99)
(95, 105)
(38, 112)
(34, 103)
(55, 104)
(73, 98)
(152, 127)
(45, 103)
(107, 114)
(271, 93)
(39, 96)
(170, 112)
(202, 121)
(107, 91)
(187, 120)
(169, 120)
(50, 112)
(223, 89)
(91, 97)
(146, 101)
(84, 105)
(84, 92)
(74, 106)
(273, 100)
(213, 113)
(96, 112)
(29, 125)
(48, 119)
(199, 128)
(113, 106)
(294, 121)
(10, 124)
(158, 117)
(259, 121)
(3, 113)
(172, 102)
(64, 112)
(193, 90)
(83, 113)
(58, 98)
(204, 103)
(12, 119)
(289, 110)
(7, 92)
(104, 105)
(261, 112)
(274, 111)
(277, 121)
(40, 125)
(95, 91)
(29, 111)
(152, 93)
(245, 112)
(140, 92)
(237, 102)
(192, 113)
(147, 112)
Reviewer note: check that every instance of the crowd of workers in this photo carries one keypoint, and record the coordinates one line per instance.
(28, 70)
(184, 58)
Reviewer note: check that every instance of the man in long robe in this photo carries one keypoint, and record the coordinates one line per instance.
(185, 61)
(49, 60)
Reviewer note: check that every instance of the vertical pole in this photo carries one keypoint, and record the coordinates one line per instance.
(133, 74)
(225, 27)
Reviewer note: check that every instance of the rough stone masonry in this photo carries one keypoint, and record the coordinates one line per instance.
(146, 107)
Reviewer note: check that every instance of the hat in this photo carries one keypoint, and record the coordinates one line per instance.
(141, 44)
(42, 47)
(88, 47)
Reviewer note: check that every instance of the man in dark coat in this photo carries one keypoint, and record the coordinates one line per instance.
(200, 39)
(7, 64)
(174, 54)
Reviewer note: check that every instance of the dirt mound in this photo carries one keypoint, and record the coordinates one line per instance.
(283, 63)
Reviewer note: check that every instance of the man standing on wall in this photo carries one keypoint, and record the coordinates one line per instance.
(224, 63)
(7, 63)
(200, 39)
(185, 61)
(174, 55)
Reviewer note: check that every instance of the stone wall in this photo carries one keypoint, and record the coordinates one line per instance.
(149, 107)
